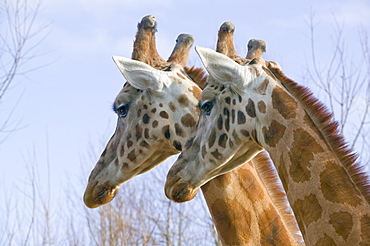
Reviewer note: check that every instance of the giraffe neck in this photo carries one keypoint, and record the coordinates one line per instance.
(319, 174)
(251, 210)
(245, 109)
(248, 209)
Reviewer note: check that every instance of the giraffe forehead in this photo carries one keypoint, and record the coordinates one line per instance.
(210, 92)
(178, 81)
(126, 95)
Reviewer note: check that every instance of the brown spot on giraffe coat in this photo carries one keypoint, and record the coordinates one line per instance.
(342, 223)
(216, 154)
(272, 233)
(172, 107)
(261, 107)
(308, 210)
(146, 118)
(245, 133)
(283, 173)
(138, 132)
(233, 116)
(219, 122)
(337, 187)
(180, 75)
(188, 120)
(177, 145)
(222, 140)
(129, 143)
(179, 131)
(231, 233)
(144, 144)
(196, 91)
(212, 138)
(249, 183)
(183, 101)
(263, 87)
(303, 150)
(154, 123)
(164, 114)
(166, 131)
(325, 241)
(250, 108)
(365, 229)
(227, 119)
(241, 117)
(132, 156)
(273, 133)
(227, 100)
(284, 103)
(122, 151)
(138, 113)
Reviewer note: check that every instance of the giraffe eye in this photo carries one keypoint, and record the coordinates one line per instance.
(207, 107)
(122, 110)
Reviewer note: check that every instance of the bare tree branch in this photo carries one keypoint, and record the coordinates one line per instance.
(19, 38)
(345, 83)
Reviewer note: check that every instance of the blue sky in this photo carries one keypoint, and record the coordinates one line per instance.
(65, 107)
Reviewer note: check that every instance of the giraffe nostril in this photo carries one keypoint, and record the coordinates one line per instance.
(101, 193)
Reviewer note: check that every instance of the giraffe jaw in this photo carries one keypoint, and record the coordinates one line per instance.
(179, 190)
(97, 195)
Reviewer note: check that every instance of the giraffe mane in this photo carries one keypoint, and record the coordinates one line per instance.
(198, 75)
(328, 127)
(273, 185)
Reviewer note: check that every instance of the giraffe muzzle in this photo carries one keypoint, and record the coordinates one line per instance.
(98, 195)
(179, 191)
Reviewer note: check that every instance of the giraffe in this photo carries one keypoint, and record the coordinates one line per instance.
(163, 123)
(231, 192)
(255, 107)
(133, 148)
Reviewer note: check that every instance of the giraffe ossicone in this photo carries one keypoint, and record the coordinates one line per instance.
(328, 192)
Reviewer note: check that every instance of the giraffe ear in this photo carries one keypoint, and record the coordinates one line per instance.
(140, 75)
(220, 67)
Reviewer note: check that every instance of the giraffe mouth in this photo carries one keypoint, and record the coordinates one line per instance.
(179, 190)
(97, 195)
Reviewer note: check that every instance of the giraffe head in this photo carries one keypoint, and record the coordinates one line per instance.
(225, 136)
(155, 111)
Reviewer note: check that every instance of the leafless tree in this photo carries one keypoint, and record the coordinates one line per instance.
(344, 79)
(140, 214)
(20, 35)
